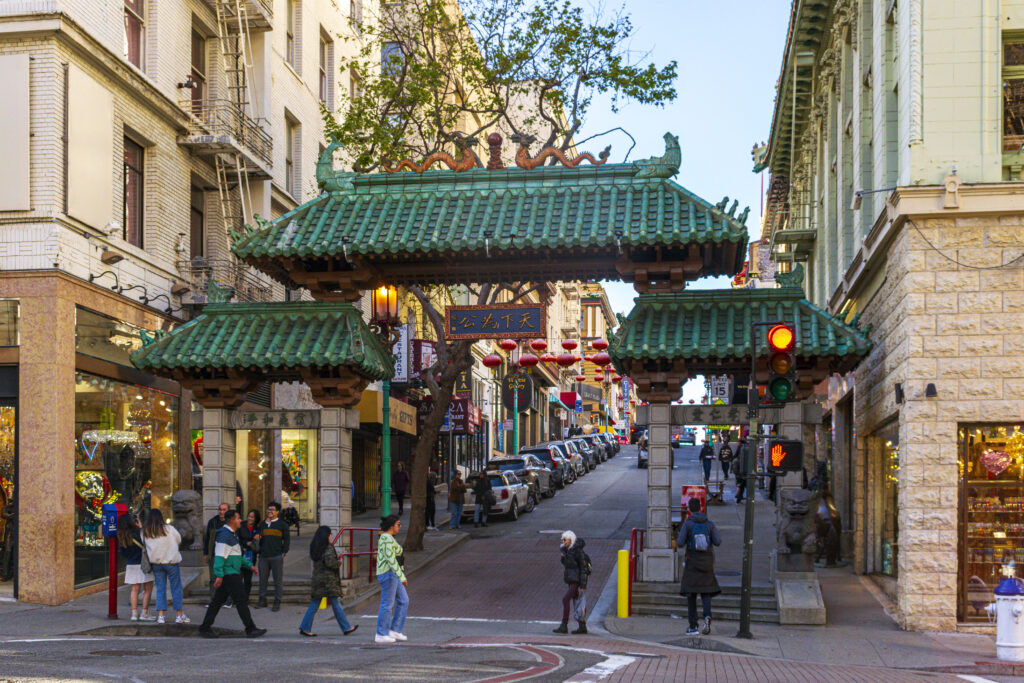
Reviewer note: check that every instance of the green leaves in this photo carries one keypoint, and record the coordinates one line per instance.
(431, 72)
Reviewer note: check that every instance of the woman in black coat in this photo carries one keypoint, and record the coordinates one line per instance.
(699, 535)
(575, 573)
(325, 584)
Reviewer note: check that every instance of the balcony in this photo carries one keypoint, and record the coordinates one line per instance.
(199, 272)
(257, 15)
(222, 127)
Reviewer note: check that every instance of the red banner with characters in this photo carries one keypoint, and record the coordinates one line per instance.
(699, 492)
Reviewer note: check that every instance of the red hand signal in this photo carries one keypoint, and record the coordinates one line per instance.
(778, 454)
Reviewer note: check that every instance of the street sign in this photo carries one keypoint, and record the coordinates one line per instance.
(517, 383)
(720, 391)
(579, 405)
(496, 321)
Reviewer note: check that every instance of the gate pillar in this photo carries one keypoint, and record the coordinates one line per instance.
(658, 559)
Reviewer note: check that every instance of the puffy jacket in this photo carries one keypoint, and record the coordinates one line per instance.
(575, 567)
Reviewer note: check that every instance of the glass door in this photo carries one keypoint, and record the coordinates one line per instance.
(8, 477)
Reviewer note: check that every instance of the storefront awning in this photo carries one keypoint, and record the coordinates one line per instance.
(402, 417)
(552, 399)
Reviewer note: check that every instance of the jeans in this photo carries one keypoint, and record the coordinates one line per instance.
(431, 513)
(691, 607)
(456, 509)
(725, 469)
(393, 598)
(162, 573)
(480, 514)
(268, 565)
(231, 587)
(339, 614)
(570, 594)
(706, 464)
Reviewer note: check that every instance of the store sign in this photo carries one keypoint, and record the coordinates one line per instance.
(464, 384)
(590, 393)
(495, 321)
(273, 419)
(506, 425)
(401, 354)
(460, 417)
(518, 384)
(424, 354)
(402, 417)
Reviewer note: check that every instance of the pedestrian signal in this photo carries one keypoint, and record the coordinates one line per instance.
(782, 363)
(785, 455)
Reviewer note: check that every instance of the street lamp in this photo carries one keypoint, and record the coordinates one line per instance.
(384, 322)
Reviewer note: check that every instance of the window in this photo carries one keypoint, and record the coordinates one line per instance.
(391, 59)
(291, 181)
(133, 31)
(1013, 108)
(198, 72)
(133, 186)
(197, 223)
(326, 69)
(353, 84)
(355, 11)
(291, 33)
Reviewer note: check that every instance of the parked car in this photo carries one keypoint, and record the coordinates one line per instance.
(588, 457)
(529, 469)
(559, 467)
(635, 431)
(572, 474)
(613, 443)
(641, 451)
(512, 496)
(622, 439)
(689, 437)
(583, 461)
(604, 448)
(577, 463)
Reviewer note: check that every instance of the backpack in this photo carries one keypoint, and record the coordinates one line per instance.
(700, 539)
(587, 566)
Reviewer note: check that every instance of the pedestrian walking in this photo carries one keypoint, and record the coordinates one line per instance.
(210, 539)
(431, 505)
(275, 539)
(575, 572)
(698, 536)
(162, 542)
(483, 497)
(456, 500)
(394, 599)
(325, 584)
(725, 457)
(227, 566)
(129, 541)
(400, 485)
(247, 536)
(707, 455)
(741, 469)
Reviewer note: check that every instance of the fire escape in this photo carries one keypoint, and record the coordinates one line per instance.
(226, 131)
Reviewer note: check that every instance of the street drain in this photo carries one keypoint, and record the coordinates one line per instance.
(122, 653)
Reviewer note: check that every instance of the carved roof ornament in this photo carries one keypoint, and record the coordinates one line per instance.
(664, 166)
(494, 162)
(215, 294)
(526, 162)
(794, 278)
(464, 162)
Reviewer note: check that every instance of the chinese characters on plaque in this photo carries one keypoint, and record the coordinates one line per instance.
(496, 321)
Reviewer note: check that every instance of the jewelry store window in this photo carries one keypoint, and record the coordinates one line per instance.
(126, 451)
(890, 501)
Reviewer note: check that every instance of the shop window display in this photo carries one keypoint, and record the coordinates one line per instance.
(125, 451)
(890, 507)
(298, 459)
(991, 510)
(7, 466)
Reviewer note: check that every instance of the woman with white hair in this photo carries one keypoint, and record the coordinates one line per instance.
(577, 569)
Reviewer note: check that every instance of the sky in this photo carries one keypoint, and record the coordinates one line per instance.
(729, 53)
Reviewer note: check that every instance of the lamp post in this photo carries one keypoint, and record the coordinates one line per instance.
(384, 321)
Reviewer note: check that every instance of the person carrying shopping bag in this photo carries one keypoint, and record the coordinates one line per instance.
(394, 600)
(325, 584)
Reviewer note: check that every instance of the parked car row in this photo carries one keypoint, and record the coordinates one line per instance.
(520, 481)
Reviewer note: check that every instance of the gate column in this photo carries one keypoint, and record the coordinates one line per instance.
(658, 557)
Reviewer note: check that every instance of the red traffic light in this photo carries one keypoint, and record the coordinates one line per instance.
(781, 338)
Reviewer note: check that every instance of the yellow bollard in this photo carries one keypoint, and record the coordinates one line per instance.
(623, 593)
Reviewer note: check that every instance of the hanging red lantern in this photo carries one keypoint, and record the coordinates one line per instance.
(566, 359)
(611, 370)
(625, 412)
(589, 358)
(491, 360)
(508, 344)
(632, 401)
(599, 344)
(528, 360)
(616, 378)
(581, 378)
(569, 344)
(577, 358)
(691, 400)
(601, 359)
(538, 345)
(598, 378)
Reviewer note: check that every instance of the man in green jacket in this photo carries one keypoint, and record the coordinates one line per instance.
(227, 568)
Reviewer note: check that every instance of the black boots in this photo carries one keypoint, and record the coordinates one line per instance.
(582, 629)
(562, 628)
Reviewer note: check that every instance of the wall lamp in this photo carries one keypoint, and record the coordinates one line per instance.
(858, 196)
(117, 283)
(930, 391)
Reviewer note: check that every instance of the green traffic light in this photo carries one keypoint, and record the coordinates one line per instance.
(781, 389)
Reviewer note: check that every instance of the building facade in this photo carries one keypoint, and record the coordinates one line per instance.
(137, 133)
(895, 161)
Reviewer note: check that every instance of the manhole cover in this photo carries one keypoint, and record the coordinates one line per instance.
(122, 653)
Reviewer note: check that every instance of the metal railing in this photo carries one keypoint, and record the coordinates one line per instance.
(350, 557)
(226, 273)
(636, 546)
(220, 117)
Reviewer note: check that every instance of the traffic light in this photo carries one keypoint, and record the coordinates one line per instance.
(785, 455)
(781, 363)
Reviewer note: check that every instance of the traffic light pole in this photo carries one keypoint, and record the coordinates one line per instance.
(753, 403)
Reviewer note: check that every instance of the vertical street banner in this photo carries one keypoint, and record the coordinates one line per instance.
(464, 384)
(424, 353)
(401, 354)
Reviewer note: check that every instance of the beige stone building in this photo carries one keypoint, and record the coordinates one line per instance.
(136, 133)
(895, 160)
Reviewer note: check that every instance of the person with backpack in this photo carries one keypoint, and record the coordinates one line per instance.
(577, 568)
(699, 535)
(725, 457)
(707, 455)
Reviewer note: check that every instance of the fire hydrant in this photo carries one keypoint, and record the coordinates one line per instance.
(1009, 612)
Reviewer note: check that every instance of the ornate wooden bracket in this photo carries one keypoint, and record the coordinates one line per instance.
(657, 381)
(334, 387)
(225, 391)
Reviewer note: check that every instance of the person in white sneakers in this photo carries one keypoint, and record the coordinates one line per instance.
(162, 541)
(129, 542)
(394, 600)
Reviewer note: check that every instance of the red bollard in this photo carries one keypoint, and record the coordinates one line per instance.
(112, 589)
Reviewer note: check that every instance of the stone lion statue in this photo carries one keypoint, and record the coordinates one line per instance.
(796, 524)
(187, 506)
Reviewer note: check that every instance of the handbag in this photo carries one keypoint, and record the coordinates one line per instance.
(146, 567)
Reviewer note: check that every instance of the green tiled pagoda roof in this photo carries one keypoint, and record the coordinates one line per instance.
(269, 336)
(712, 327)
(440, 214)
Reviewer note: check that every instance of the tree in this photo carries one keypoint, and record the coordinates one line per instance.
(437, 75)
